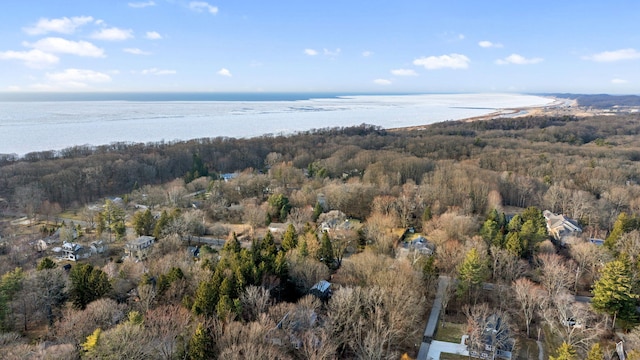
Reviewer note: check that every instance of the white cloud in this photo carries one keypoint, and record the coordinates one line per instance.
(518, 60)
(404, 72)
(224, 72)
(460, 36)
(201, 6)
(310, 52)
(156, 71)
(489, 44)
(63, 25)
(619, 81)
(451, 61)
(13, 88)
(382, 82)
(617, 55)
(113, 34)
(334, 53)
(367, 53)
(140, 5)
(33, 58)
(136, 51)
(152, 35)
(64, 46)
(77, 78)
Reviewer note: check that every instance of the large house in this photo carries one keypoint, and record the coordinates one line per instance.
(140, 247)
(560, 226)
(496, 341)
(74, 252)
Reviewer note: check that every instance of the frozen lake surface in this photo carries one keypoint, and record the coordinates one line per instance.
(27, 126)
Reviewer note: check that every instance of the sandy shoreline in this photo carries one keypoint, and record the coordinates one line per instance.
(558, 106)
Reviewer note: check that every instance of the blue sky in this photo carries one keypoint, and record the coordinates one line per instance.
(582, 46)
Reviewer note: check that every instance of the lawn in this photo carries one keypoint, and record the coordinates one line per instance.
(451, 332)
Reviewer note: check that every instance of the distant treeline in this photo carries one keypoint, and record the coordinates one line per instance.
(602, 101)
(519, 157)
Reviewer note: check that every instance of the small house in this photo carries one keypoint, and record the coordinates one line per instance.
(321, 290)
(140, 247)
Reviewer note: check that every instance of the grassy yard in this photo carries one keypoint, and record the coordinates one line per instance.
(451, 332)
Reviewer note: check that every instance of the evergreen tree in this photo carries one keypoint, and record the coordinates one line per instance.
(201, 345)
(489, 231)
(143, 223)
(46, 263)
(87, 284)
(325, 254)
(515, 224)
(317, 211)
(10, 283)
(595, 353)
(304, 250)
(564, 352)
(206, 298)
(232, 245)
(160, 225)
(623, 224)
(514, 244)
(111, 219)
(613, 292)
(472, 272)
(290, 238)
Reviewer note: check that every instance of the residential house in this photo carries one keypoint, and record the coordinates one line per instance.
(321, 290)
(560, 226)
(98, 247)
(496, 339)
(140, 247)
(74, 252)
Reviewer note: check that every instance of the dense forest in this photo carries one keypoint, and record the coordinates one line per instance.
(343, 205)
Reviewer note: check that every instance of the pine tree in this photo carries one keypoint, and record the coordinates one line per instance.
(613, 292)
(46, 263)
(514, 244)
(143, 223)
(564, 352)
(595, 353)
(317, 211)
(472, 272)
(290, 238)
(325, 254)
(87, 284)
(201, 345)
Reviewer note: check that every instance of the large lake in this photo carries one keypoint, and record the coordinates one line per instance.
(32, 124)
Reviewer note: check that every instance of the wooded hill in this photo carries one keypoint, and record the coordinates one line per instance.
(349, 198)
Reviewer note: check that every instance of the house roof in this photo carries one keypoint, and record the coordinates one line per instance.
(71, 246)
(322, 286)
(142, 240)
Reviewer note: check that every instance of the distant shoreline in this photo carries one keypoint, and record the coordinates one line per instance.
(549, 109)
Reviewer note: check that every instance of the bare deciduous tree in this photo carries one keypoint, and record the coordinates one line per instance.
(255, 300)
(486, 325)
(506, 266)
(556, 276)
(529, 296)
(573, 322)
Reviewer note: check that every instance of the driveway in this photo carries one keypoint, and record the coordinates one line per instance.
(438, 347)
